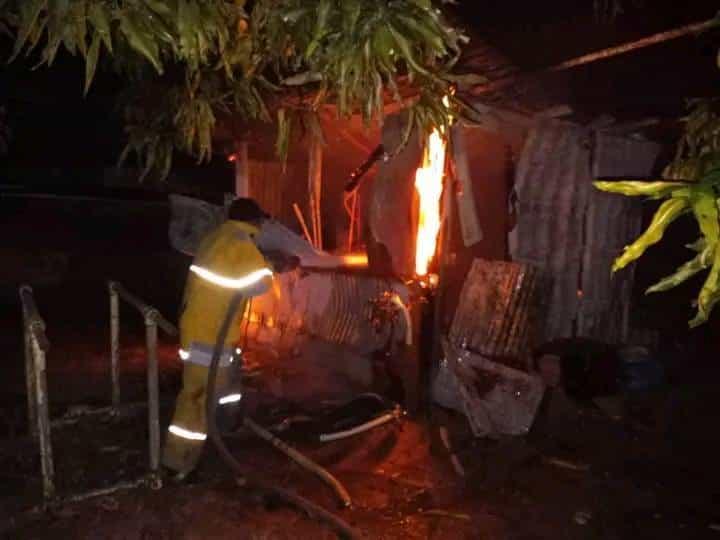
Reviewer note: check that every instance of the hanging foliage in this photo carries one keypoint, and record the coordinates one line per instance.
(190, 61)
(690, 184)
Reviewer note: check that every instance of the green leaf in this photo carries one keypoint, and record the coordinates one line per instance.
(29, 13)
(698, 245)
(99, 17)
(704, 206)
(79, 22)
(668, 212)
(91, 61)
(405, 47)
(684, 272)
(709, 293)
(140, 41)
(645, 188)
(283, 138)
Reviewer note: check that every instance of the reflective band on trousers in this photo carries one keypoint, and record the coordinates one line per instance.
(231, 283)
(231, 398)
(201, 354)
(187, 434)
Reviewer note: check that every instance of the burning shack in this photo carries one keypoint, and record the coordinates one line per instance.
(450, 245)
(441, 277)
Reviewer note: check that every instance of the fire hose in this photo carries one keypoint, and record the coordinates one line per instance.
(308, 507)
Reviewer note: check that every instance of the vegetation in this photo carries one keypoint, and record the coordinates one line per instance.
(690, 184)
(191, 62)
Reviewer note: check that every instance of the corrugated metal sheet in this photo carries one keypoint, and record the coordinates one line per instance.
(553, 185)
(276, 189)
(612, 222)
(346, 319)
(496, 399)
(336, 307)
(573, 232)
(496, 313)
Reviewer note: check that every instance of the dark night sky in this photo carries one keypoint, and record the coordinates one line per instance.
(55, 128)
(52, 124)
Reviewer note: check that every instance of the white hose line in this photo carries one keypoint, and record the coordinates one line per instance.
(379, 421)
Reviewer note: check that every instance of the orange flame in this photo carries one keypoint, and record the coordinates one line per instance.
(429, 185)
(355, 259)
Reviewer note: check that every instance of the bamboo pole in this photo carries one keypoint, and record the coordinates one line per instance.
(313, 220)
(654, 39)
(602, 54)
(315, 183)
(301, 219)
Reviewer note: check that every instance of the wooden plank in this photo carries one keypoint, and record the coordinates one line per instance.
(467, 211)
(242, 171)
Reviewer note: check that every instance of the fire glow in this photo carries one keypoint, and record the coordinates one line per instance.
(355, 259)
(429, 186)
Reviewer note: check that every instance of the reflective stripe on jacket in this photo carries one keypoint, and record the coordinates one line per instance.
(227, 262)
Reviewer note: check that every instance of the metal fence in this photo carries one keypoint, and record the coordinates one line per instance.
(36, 349)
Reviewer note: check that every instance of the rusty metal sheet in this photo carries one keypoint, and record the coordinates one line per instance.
(553, 184)
(335, 307)
(572, 232)
(496, 399)
(612, 222)
(496, 312)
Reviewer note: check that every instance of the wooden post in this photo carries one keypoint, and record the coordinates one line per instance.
(439, 300)
(152, 382)
(315, 186)
(114, 345)
(242, 171)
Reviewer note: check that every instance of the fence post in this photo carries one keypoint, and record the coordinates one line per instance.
(30, 379)
(43, 420)
(115, 344)
(152, 380)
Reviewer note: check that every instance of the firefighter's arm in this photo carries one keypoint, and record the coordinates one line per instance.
(281, 262)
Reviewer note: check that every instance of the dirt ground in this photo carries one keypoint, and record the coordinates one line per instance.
(578, 475)
(591, 479)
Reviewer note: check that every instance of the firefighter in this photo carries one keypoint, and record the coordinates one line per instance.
(227, 262)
